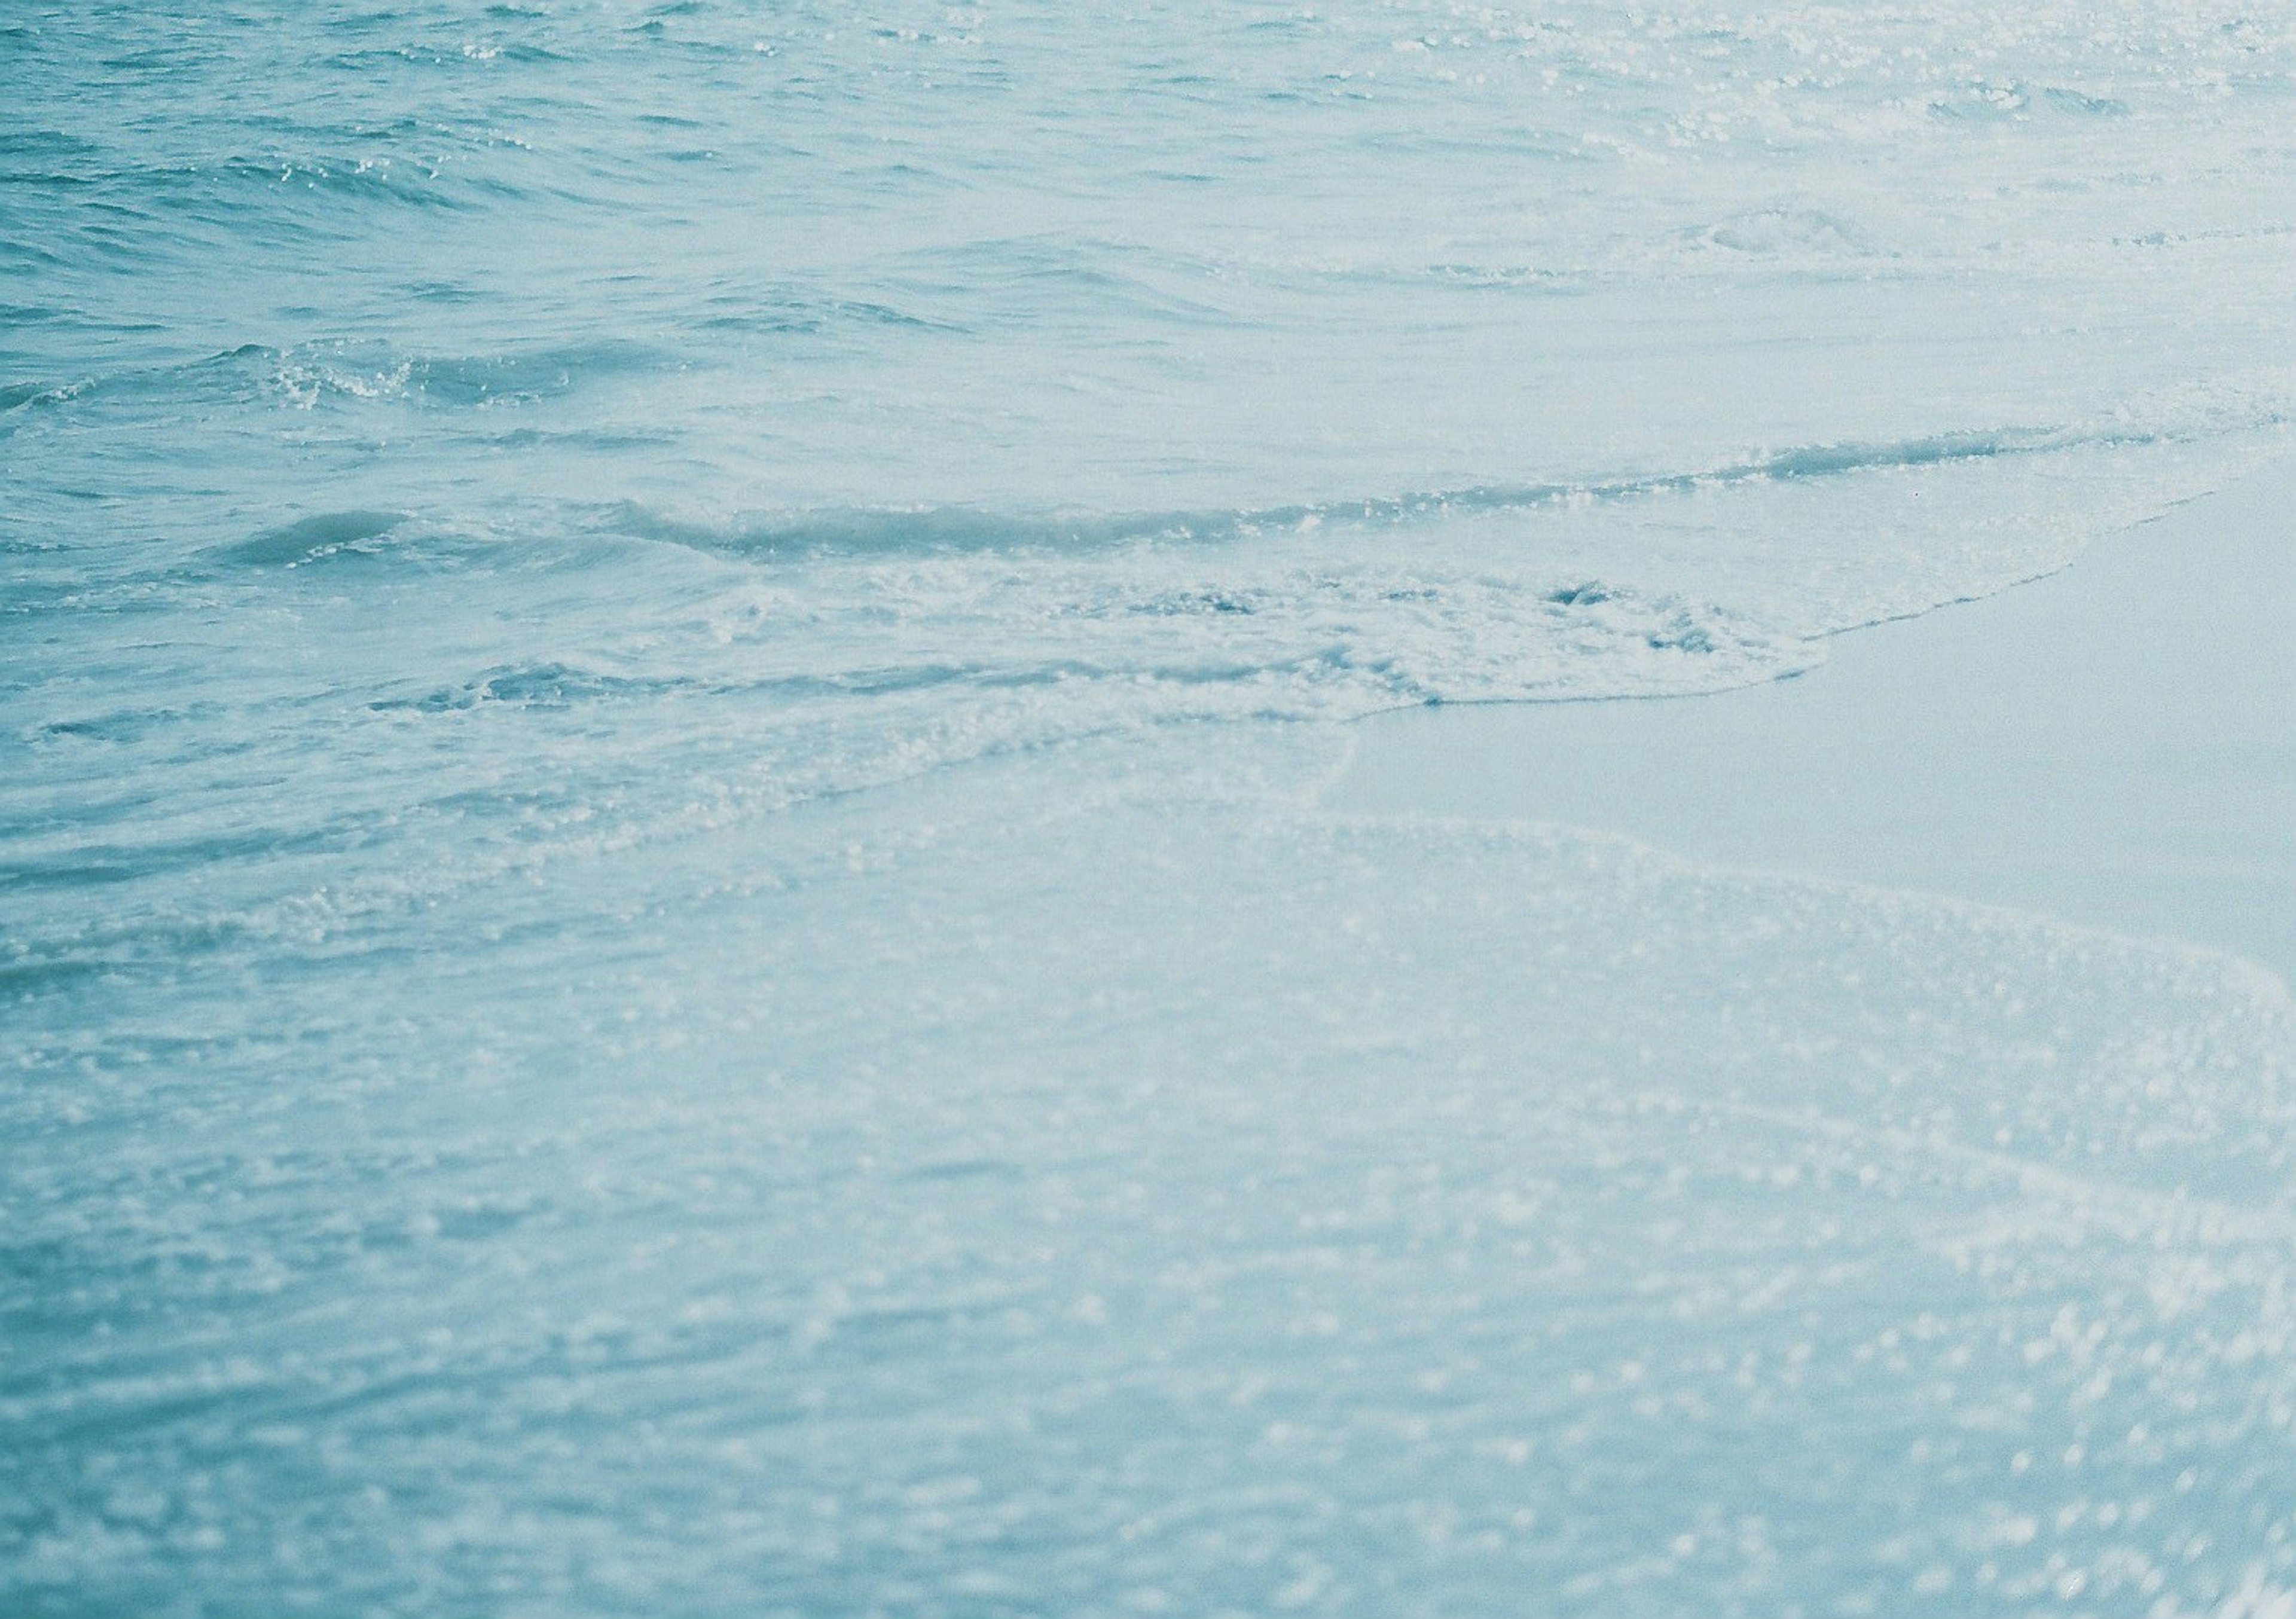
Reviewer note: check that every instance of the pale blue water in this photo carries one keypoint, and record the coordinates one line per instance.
(664, 942)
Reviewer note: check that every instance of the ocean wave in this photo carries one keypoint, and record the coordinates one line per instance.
(864, 531)
(546, 684)
(1787, 232)
(320, 537)
(305, 375)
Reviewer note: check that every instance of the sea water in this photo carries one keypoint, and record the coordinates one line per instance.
(666, 940)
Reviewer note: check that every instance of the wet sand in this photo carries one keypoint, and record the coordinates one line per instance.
(2114, 745)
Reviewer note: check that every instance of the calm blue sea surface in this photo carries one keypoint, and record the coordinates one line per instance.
(665, 947)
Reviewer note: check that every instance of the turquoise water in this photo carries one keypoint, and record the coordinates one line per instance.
(664, 941)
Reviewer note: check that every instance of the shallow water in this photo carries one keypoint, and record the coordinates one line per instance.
(664, 936)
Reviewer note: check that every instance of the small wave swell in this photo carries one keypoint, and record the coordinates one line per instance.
(864, 531)
(326, 536)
